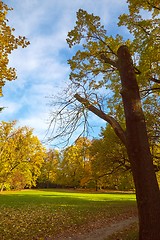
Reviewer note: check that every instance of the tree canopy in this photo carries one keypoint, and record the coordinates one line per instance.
(21, 156)
(9, 42)
(94, 70)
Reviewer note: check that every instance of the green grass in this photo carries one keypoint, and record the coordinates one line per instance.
(49, 214)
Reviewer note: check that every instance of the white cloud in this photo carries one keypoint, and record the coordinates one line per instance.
(10, 108)
(37, 123)
(42, 67)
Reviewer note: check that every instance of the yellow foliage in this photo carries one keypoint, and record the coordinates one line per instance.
(20, 152)
(8, 42)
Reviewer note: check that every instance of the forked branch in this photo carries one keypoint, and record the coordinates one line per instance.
(115, 125)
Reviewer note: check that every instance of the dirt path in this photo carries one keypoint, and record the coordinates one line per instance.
(103, 233)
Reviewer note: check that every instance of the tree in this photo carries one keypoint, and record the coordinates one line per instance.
(109, 162)
(8, 43)
(50, 169)
(21, 155)
(74, 168)
(104, 62)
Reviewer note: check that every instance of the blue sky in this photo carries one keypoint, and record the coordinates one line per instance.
(42, 67)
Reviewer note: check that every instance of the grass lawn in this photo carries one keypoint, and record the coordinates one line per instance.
(51, 214)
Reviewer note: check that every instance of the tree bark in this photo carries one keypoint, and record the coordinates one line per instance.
(147, 190)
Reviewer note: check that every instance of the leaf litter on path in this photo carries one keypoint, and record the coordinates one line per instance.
(100, 230)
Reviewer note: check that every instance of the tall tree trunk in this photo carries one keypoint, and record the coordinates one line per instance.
(136, 141)
(147, 190)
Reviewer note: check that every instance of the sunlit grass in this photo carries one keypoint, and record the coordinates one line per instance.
(40, 214)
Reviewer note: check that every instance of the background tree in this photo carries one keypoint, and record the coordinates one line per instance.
(104, 62)
(75, 165)
(21, 155)
(72, 167)
(109, 162)
(50, 169)
(83, 145)
(8, 43)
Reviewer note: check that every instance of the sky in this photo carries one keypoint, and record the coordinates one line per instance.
(42, 69)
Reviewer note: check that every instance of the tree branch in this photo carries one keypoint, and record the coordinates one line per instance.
(153, 6)
(109, 61)
(115, 64)
(155, 80)
(115, 125)
(149, 91)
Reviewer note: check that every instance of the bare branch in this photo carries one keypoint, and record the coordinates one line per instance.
(66, 119)
(115, 125)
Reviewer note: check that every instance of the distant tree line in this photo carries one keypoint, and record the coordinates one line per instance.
(88, 164)
(99, 163)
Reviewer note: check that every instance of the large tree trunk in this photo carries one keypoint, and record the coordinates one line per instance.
(147, 190)
(136, 141)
